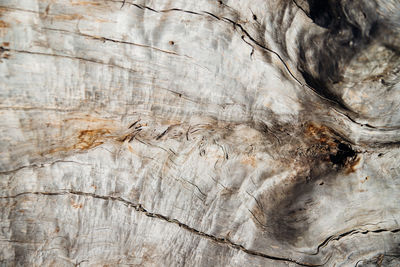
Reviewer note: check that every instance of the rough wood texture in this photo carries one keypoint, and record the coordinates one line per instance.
(200, 133)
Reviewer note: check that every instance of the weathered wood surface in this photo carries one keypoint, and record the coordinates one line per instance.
(199, 133)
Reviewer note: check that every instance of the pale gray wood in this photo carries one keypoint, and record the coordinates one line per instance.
(199, 133)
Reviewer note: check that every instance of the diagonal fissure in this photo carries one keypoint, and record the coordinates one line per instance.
(139, 208)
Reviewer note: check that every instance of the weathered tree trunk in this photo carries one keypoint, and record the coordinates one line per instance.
(200, 133)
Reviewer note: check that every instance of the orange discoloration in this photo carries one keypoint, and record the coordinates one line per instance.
(326, 145)
(91, 138)
(352, 167)
(88, 132)
(4, 24)
(55, 150)
(87, 139)
(251, 160)
(366, 179)
(321, 133)
(76, 205)
(102, 20)
(6, 44)
(69, 17)
(170, 122)
(85, 3)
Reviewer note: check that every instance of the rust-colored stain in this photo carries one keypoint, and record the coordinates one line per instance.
(4, 24)
(6, 44)
(352, 166)
(102, 20)
(68, 17)
(46, 11)
(320, 133)
(327, 145)
(251, 160)
(364, 180)
(76, 205)
(90, 138)
(5, 55)
(84, 3)
(87, 132)
(170, 122)
(87, 139)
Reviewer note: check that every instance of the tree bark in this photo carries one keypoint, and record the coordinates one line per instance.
(200, 133)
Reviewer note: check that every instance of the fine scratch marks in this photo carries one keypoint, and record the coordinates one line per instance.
(264, 48)
(40, 166)
(73, 58)
(104, 39)
(227, 20)
(197, 187)
(234, 23)
(250, 37)
(141, 209)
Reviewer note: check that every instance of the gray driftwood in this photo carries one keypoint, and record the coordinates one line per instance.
(199, 133)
